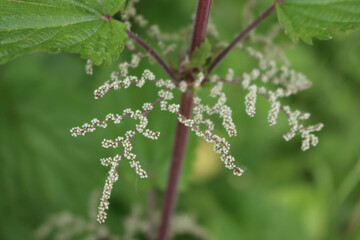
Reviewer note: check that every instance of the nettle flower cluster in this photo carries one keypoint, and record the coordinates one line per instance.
(283, 82)
(286, 81)
(268, 80)
(202, 126)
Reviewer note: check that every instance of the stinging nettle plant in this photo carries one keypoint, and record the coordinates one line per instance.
(100, 30)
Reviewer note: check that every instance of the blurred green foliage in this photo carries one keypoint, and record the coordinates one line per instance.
(284, 194)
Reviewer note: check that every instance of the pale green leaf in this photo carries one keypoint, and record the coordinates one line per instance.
(200, 55)
(307, 19)
(74, 26)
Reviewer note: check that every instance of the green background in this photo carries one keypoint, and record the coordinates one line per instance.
(284, 194)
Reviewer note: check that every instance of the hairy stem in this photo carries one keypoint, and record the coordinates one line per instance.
(182, 132)
(200, 25)
(178, 154)
(153, 53)
(241, 36)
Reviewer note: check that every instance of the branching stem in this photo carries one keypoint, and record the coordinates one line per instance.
(153, 53)
(241, 36)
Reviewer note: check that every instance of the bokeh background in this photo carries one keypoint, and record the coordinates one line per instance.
(284, 194)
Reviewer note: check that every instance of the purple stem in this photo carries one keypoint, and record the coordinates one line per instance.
(182, 132)
(179, 150)
(241, 36)
(200, 25)
(153, 53)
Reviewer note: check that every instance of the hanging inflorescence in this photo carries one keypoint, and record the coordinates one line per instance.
(286, 82)
(121, 80)
(267, 80)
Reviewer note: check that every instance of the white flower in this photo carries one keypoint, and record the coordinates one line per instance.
(89, 67)
(183, 86)
(200, 77)
(250, 101)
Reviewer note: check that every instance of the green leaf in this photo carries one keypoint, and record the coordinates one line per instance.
(200, 55)
(75, 26)
(306, 19)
